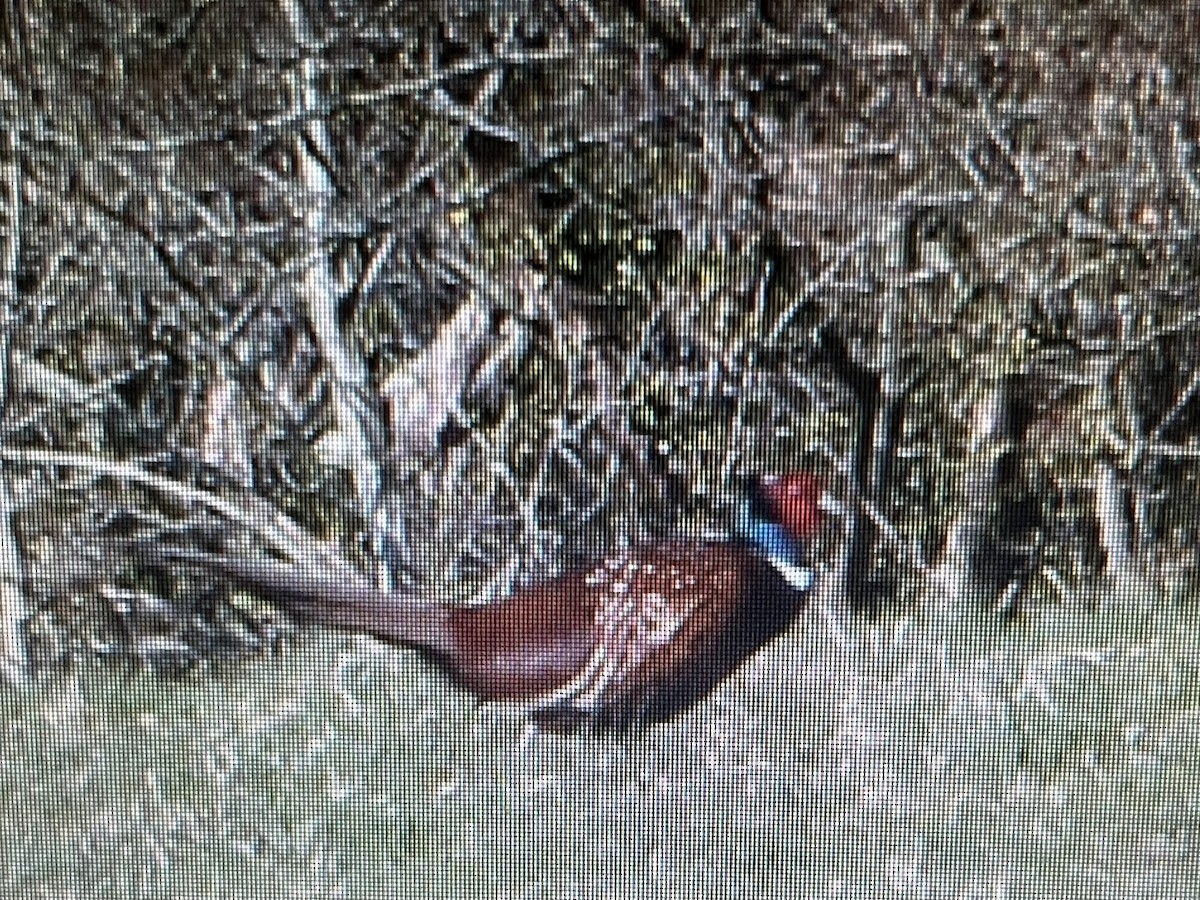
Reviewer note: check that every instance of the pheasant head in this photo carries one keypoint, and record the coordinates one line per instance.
(779, 516)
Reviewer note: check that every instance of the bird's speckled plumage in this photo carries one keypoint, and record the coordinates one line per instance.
(640, 633)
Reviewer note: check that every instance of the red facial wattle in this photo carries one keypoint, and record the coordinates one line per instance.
(795, 502)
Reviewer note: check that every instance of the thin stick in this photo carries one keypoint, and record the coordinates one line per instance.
(280, 533)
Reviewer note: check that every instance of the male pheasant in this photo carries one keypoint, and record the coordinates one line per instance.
(641, 633)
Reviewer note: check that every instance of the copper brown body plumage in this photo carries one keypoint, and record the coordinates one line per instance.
(638, 634)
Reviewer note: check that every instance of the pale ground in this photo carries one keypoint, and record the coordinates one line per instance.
(1051, 757)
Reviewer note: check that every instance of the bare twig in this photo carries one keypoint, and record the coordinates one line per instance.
(279, 533)
(1181, 403)
(423, 396)
(14, 659)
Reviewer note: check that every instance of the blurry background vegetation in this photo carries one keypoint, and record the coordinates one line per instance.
(471, 290)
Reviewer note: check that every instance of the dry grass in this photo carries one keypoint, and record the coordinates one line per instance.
(910, 756)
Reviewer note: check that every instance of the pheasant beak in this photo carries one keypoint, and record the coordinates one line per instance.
(830, 506)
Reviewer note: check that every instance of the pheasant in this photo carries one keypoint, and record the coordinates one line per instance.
(639, 634)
